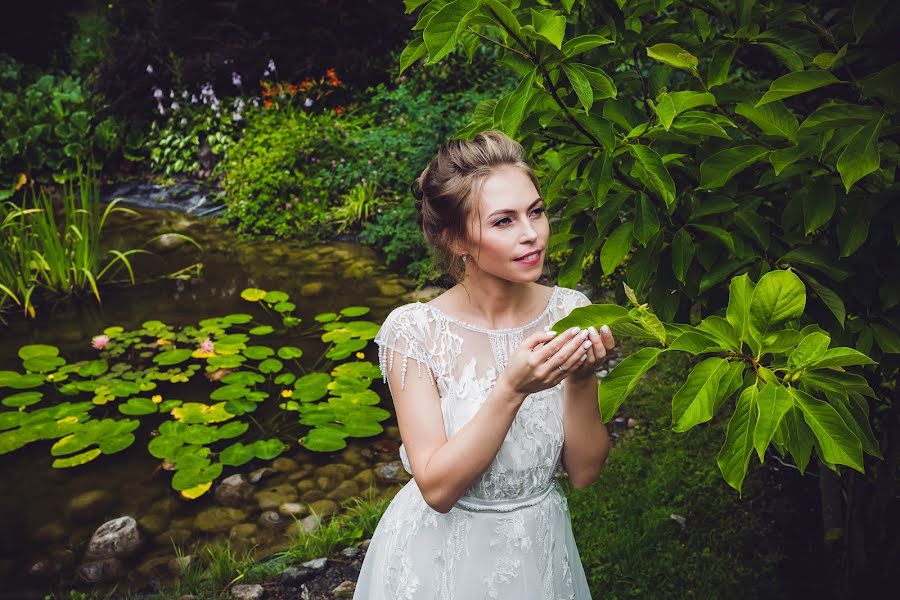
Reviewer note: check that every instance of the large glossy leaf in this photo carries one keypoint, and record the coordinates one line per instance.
(835, 440)
(616, 248)
(671, 104)
(810, 348)
(740, 292)
(773, 118)
(717, 169)
(799, 82)
(694, 402)
(682, 254)
(735, 454)
(581, 85)
(646, 221)
(773, 401)
(861, 156)
(778, 297)
(614, 389)
(673, 55)
(658, 178)
(442, 31)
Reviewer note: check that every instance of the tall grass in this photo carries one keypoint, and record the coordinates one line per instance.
(47, 250)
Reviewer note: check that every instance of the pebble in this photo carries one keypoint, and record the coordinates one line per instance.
(248, 592)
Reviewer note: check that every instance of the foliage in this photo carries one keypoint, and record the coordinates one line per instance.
(630, 539)
(49, 125)
(396, 233)
(274, 176)
(37, 254)
(357, 206)
(175, 145)
(334, 400)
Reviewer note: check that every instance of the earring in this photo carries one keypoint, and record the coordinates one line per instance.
(464, 256)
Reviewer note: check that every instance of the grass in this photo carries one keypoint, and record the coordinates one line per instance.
(627, 523)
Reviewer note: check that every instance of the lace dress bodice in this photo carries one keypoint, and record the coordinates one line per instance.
(464, 361)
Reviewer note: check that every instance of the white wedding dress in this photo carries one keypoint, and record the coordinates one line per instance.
(510, 536)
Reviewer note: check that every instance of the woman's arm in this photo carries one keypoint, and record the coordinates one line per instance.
(444, 469)
(586, 441)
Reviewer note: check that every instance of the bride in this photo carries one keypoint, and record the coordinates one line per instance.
(491, 405)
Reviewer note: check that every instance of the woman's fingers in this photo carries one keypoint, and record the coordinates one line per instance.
(607, 337)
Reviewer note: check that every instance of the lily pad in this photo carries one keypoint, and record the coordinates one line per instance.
(36, 350)
(113, 331)
(347, 385)
(361, 428)
(245, 378)
(172, 357)
(232, 429)
(22, 399)
(261, 330)
(357, 369)
(311, 387)
(289, 352)
(188, 478)
(284, 307)
(152, 326)
(240, 406)
(253, 294)
(237, 454)
(275, 297)
(164, 446)
(268, 449)
(229, 392)
(355, 311)
(285, 379)
(270, 365)
(324, 440)
(326, 317)
(197, 412)
(138, 406)
(26, 381)
(237, 318)
(258, 352)
(43, 364)
(363, 398)
(290, 321)
(233, 338)
(344, 349)
(78, 459)
(232, 361)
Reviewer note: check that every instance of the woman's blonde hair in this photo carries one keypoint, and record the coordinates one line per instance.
(447, 190)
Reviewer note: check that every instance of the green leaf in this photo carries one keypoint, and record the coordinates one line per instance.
(35, 350)
(838, 114)
(852, 232)
(312, 387)
(718, 233)
(740, 293)
(835, 440)
(682, 253)
(172, 357)
(620, 381)
(773, 118)
(785, 55)
(735, 454)
(785, 157)
(773, 401)
(887, 339)
(840, 357)
(796, 83)
(857, 421)
(722, 330)
(324, 439)
(513, 106)
(658, 178)
(271, 365)
(411, 53)
(442, 31)
(138, 406)
(801, 439)
(694, 402)
(581, 85)
(268, 449)
(78, 459)
(673, 55)
(603, 131)
(778, 297)
(601, 83)
(808, 350)
(826, 60)
(861, 156)
(717, 169)
(646, 222)
(829, 380)
(864, 14)
(828, 298)
(671, 104)
(818, 204)
(697, 342)
(583, 43)
(616, 248)
(237, 454)
(593, 314)
(550, 24)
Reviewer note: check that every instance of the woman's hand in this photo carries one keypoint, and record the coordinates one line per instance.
(544, 359)
(600, 344)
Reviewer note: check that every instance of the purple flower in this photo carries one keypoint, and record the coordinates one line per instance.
(174, 107)
(149, 69)
(161, 110)
(185, 95)
(308, 102)
(271, 65)
(236, 116)
(157, 93)
(256, 102)
(236, 80)
(193, 99)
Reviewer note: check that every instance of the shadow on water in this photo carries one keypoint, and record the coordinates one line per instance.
(48, 515)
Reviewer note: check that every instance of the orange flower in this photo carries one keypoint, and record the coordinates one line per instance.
(338, 110)
(267, 103)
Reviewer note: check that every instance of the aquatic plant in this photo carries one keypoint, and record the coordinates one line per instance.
(198, 438)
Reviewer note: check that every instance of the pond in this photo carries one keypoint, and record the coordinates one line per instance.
(48, 515)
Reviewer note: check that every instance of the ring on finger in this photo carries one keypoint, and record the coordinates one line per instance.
(561, 368)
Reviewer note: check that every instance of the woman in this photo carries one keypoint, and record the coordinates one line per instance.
(490, 404)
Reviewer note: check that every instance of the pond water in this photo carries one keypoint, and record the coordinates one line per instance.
(48, 515)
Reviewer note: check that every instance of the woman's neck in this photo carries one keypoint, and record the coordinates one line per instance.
(497, 303)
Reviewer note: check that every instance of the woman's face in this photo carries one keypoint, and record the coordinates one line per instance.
(508, 233)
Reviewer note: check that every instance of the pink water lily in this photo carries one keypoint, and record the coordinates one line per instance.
(207, 346)
(99, 341)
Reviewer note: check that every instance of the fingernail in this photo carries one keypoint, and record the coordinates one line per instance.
(605, 329)
(574, 331)
(584, 334)
(587, 344)
(593, 330)
(583, 358)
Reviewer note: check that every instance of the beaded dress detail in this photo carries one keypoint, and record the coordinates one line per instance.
(510, 536)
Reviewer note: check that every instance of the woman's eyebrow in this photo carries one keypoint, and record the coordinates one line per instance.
(509, 210)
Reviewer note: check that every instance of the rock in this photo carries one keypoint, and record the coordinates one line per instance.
(619, 420)
(391, 472)
(179, 564)
(324, 508)
(283, 464)
(602, 373)
(48, 533)
(364, 545)
(218, 519)
(248, 592)
(632, 423)
(44, 569)
(155, 567)
(346, 490)
(167, 242)
(274, 497)
(313, 496)
(389, 289)
(293, 509)
(353, 456)
(317, 564)
(89, 505)
(392, 432)
(270, 519)
(176, 537)
(344, 590)
(313, 288)
(326, 484)
(154, 524)
(306, 485)
(365, 478)
(101, 571)
(243, 531)
(350, 552)
(294, 576)
(168, 505)
(117, 538)
(234, 491)
(259, 474)
(310, 523)
(336, 471)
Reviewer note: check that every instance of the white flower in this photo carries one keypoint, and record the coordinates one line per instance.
(271, 65)
(308, 102)
(185, 95)
(236, 79)
(236, 116)
(157, 93)
(149, 69)
(175, 106)
(182, 122)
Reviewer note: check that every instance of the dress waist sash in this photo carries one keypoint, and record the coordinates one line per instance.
(472, 504)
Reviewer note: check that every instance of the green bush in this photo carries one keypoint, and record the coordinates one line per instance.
(48, 123)
(274, 176)
(396, 233)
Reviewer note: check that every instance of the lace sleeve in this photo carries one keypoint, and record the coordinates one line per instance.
(404, 333)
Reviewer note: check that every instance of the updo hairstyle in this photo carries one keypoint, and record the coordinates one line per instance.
(447, 190)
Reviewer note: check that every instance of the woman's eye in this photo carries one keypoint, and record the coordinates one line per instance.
(502, 221)
(538, 211)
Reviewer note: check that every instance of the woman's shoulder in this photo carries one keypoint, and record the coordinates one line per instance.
(569, 298)
(408, 319)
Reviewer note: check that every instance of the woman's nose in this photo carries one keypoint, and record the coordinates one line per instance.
(529, 233)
